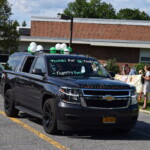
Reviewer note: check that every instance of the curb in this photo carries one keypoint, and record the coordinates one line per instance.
(144, 111)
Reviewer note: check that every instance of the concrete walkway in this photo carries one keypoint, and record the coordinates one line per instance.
(144, 111)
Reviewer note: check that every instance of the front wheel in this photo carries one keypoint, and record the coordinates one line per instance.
(49, 117)
(9, 105)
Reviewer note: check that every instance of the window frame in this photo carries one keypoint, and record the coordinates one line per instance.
(16, 66)
(33, 64)
(23, 64)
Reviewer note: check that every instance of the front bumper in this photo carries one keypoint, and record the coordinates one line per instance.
(77, 117)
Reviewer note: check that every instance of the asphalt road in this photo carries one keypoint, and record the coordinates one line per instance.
(27, 133)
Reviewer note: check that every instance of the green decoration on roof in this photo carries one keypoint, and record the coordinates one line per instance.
(70, 49)
(29, 51)
(53, 50)
(62, 51)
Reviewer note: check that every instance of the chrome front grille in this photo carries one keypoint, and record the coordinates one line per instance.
(105, 92)
(95, 98)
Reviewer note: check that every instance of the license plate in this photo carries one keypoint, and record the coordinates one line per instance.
(109, 120)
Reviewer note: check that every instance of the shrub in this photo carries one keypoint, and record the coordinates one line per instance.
(112, 66)
(140, 66)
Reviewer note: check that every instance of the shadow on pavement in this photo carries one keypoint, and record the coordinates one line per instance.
(140, 132)
(31, 118)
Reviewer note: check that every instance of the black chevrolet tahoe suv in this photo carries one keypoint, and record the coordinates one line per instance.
(68, 92)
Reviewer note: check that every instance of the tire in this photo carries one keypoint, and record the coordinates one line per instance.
(49, 117)
(9, 106)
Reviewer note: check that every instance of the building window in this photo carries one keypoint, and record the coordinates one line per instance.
(145, 59)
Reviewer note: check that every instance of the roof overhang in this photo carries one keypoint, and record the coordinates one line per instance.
(94, 21)
(118, 44)
(93, 42)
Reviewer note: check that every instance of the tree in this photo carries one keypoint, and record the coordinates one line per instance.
(5, 11)
(24, 24)
(132, 14)
(16, 23)
(79, 9)
(92, 9)
(100, 9)
(9, 36)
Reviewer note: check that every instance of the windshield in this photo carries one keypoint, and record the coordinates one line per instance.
(76, 67)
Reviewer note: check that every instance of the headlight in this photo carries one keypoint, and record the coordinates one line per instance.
(133, 97)
(133, 92)
(70, 95)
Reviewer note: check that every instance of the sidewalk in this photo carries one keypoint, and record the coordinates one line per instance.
(144, 111)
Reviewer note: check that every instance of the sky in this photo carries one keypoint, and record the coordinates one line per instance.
(24, 9)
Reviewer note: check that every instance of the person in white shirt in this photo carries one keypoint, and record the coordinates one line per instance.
(141, 72)
(146, 88)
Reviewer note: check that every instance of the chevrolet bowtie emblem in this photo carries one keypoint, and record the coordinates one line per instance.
(108, 97)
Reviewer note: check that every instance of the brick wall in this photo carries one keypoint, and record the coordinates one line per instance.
(96, 31)
(130, 55)
(90, 31)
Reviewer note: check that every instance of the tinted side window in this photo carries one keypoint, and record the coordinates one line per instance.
(13, 62)
(40, 64)
(28, 64)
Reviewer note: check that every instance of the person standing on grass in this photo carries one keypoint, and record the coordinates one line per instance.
(146, 88)
(142, 81)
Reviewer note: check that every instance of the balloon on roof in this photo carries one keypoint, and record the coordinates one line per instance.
(58, 46)
(32, 47)
(66, 51)
(39, 48)
(33, 44)
(63, 46)
(53, 50)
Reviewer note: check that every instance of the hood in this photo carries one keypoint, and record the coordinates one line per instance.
(89, 82)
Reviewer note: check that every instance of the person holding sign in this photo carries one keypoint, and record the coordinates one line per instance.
(146, 88)
(125, 69)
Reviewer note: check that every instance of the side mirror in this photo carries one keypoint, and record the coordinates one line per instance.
(38, 72)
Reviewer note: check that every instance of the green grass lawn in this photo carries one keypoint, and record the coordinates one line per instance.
(141, 103)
